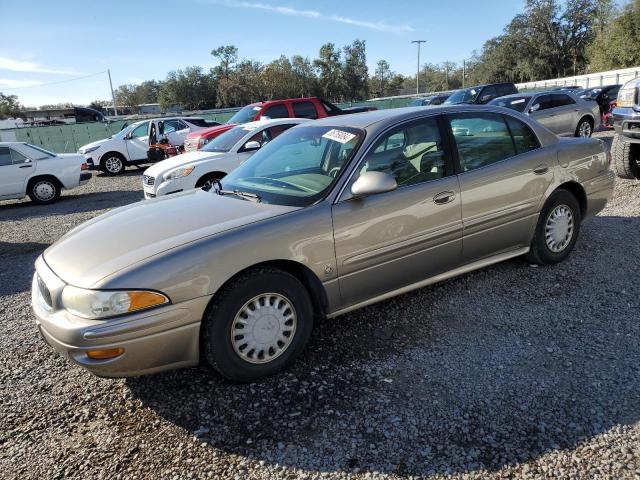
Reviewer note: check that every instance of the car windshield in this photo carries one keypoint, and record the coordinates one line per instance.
(591, 93)
(297, 168)
(468, 95)
(226, 141)
(126, 130)
(244, 115)
(40, 153)
(514, 103)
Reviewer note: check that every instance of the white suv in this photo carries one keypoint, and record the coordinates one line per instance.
(130, 145)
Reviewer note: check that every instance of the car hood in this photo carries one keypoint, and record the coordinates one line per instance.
(97, 143)
(211, 131)
(134, 233)
(179, 161)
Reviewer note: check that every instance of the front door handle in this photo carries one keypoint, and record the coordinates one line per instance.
(444, 197)
(25, 166)
(541, 169)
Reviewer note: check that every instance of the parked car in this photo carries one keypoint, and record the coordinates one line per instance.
(603, 96)
(329, 217)
(561, 112)
(568, 88)
(437, 99)
(130, 145)
(311, 108)
(27, 169)
(480, 94)
(218, 157)
(626, 123)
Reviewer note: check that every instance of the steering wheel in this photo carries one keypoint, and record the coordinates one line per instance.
(334, 171)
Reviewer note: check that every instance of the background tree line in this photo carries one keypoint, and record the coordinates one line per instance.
(549, 39)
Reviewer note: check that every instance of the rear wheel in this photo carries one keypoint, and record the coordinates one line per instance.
(557, 229)
(44, 190)
(584, 128)
(113, 164)
(626, 160)
(257, 325)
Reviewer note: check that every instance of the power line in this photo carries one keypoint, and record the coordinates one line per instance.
(56, 83)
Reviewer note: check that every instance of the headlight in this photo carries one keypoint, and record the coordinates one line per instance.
(202, 142)
(89, 150)
(627, 97)
(96, 304)
(178, 172)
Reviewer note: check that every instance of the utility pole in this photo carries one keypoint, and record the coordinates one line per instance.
(419, 42)
(464, 71)
(113, 97)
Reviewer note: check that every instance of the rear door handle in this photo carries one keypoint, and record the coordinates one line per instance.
(444, 197)
(540, 169)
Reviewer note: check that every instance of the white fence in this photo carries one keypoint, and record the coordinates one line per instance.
(589, 80)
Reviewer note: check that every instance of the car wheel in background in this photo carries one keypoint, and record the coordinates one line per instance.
(112, 164)
(43, 190)
(584, 128)
(256, 325)
(208, 180)
(557, 229)
(626, 161)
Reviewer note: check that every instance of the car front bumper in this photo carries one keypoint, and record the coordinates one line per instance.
(166, 188)
(154, 340)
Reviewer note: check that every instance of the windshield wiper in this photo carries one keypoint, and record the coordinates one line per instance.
(245, 195)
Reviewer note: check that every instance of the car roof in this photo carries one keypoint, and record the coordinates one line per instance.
(273, 122)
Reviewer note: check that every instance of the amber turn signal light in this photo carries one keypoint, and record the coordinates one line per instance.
(105, 354)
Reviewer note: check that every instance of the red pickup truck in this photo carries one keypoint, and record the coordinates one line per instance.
(289, 108)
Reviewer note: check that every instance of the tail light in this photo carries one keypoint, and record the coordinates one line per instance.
(84, 166)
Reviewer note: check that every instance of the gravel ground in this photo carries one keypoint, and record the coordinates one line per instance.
(508, 372)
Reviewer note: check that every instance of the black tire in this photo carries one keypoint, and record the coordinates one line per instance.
(44, 190)
(113, 163)
(216, 340)
(584, 121)
(541, 253)
(205, 179)
(626, 161)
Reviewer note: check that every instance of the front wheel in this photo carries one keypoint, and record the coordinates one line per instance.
(626, 161)
(208, 180)
(257, 325)
(557, 229)
(44, 190)
(113, 164)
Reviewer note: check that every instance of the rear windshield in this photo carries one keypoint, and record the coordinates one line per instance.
(246, 114)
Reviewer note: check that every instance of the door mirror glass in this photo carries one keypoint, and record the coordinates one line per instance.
(534, 108)
(251, 146)
(372, 183)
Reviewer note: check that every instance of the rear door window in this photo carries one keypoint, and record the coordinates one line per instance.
(544, 101)
(5, 156)
(304, 110)
(17, 157)
(276, 111)
(523, 137)
(481, 139)
(562, 100)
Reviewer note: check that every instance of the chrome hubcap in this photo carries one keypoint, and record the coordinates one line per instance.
(113, 164)
(44, 190)
(585, 129)
(558, 230)
(263, 328)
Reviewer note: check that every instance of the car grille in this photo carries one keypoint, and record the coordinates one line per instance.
(44, 292)
(148, 181)
(191, 144)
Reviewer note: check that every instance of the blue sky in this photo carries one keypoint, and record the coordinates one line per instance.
(55, 41)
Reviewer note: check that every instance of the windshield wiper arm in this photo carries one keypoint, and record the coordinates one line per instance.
(245, 195)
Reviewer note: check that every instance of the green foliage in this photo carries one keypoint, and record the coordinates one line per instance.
(616, 44)
(9, 106)
(191, 88)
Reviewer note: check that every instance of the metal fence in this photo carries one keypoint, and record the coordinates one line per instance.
(599, 79)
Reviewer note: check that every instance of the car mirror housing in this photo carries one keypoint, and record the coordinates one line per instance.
(250, 146)
(372, 183)
(534, 108)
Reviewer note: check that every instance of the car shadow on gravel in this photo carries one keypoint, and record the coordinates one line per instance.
(129, 172)
(69, 204)
(497, 367)
(22, 255)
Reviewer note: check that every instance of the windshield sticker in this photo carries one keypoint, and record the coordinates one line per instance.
(249, 128)
(339, 136)
(515, 102)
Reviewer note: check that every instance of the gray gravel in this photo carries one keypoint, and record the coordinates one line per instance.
(508, 372)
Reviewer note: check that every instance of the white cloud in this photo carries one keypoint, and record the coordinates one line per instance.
(33, 67)
(380, 26)
(17, 83)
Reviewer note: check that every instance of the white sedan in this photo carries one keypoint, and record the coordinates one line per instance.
(130, 145)
(219, 157)
(26, 169)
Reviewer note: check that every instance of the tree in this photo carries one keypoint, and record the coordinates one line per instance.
(242, 86)
(329, 70)
(616, 43)
(99, 104)
(355, 73)
(228, 55)
(383, 73)
(305, 78)
(9, 106)
(190, 88)
(129, 95)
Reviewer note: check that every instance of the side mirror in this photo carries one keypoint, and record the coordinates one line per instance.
(372, 183)
(534, 108)
(250, 146)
